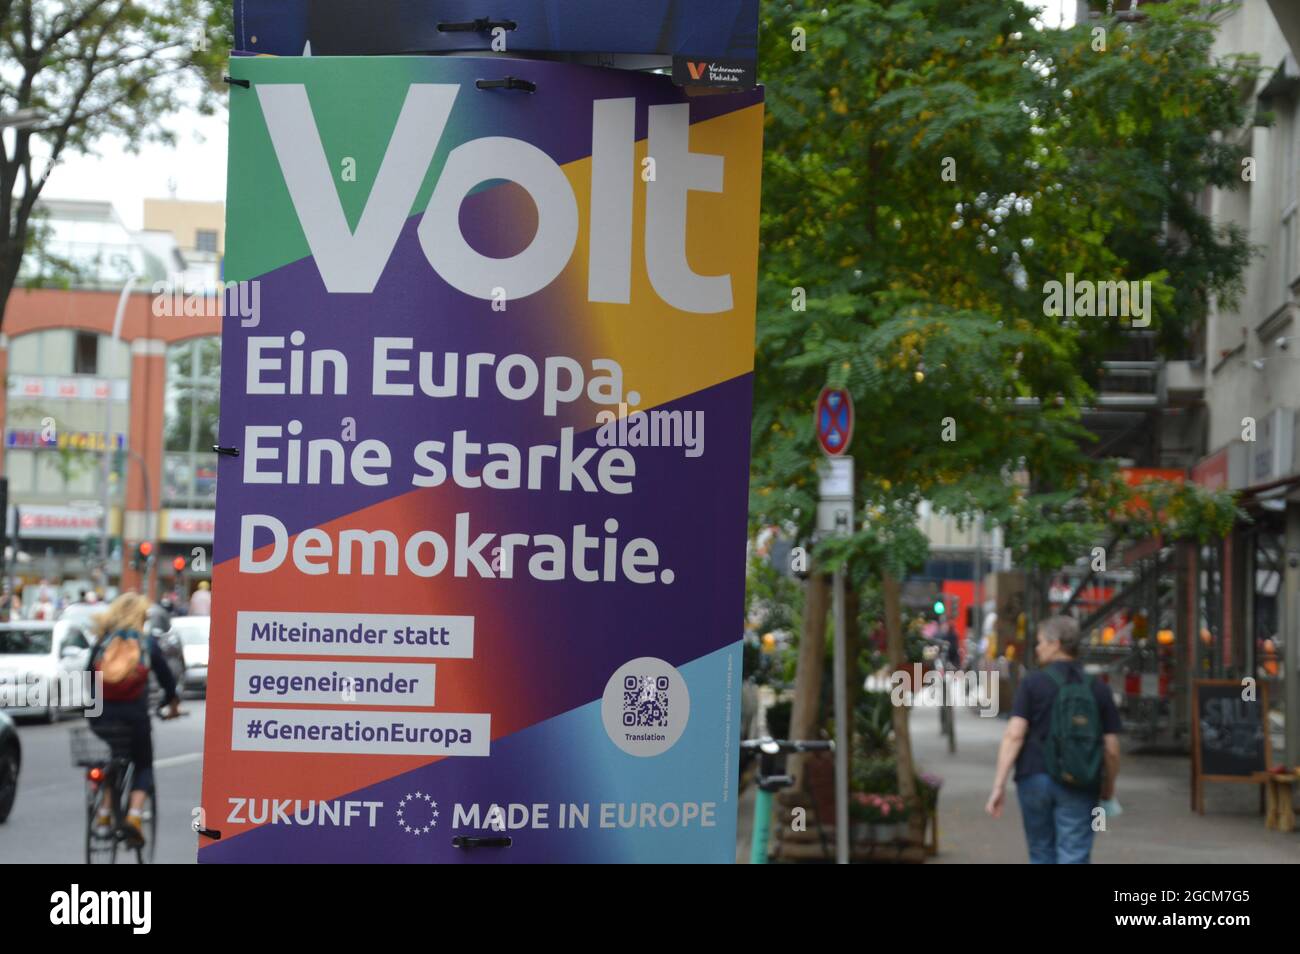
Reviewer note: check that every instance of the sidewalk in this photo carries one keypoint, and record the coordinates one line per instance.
(1157, 826)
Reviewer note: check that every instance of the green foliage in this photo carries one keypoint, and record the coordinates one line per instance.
(95, 69)
(773, 601)
(924, 293)
(1186, 511)
(873, 725)
(875, 775)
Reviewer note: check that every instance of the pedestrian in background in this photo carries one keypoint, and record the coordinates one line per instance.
(201, 600)
(1063, 740)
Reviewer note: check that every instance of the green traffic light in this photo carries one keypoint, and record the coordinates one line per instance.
(939, 607)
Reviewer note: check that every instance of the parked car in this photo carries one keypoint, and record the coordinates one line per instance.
(11, 760)
(36, 653)
(193, 632)
(82, 615)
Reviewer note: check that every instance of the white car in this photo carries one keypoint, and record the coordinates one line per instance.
(35, 654)
(193, 631)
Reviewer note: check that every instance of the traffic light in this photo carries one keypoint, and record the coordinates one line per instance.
(178, 564)
(143, 553)
(940, 607)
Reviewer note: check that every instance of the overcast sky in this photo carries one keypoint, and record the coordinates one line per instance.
(196, 167)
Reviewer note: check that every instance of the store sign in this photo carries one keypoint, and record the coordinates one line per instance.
(1228, 468)
(489, 509)
(79, 388)
(57, 523)
(17, 438)
(1271, 457)
(1211, 472)
(187, 526)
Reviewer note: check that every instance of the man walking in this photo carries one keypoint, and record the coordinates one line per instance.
(1063, 740)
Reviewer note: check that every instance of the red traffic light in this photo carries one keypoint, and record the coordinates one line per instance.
(146, 549)
(178, 564)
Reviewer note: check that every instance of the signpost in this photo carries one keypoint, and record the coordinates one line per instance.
(834, 423)
(478, 574)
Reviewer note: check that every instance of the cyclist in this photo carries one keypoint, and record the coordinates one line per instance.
(123, 654)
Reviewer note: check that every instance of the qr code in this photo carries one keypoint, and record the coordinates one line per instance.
(645, 701)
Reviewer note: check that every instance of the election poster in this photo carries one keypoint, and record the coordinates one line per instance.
(484, 441)
(718, 38)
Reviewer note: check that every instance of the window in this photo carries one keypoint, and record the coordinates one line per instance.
(205, 240)
(46, 360)
(85, 356)
(190, 424)
(42, 352)
(20, 468)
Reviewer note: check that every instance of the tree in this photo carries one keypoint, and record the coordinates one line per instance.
(929, 168)
(78, 71)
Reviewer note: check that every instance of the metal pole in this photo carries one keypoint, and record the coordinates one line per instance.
(108, 435)
(977, 615)
(841, 727)
(148, 508)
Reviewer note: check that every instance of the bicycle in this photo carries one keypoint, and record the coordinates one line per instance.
(109, 768)
(770, 782)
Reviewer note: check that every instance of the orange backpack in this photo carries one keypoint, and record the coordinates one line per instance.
(124, 667)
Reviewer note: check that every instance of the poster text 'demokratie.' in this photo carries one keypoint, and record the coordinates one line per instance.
(479, 560)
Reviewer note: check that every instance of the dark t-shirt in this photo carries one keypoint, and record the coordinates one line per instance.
(1034, 701)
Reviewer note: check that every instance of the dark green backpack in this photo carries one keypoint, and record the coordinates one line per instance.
(1074, 744)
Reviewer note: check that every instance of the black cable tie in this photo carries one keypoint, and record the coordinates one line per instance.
(210, 833)
(479, 25)
(226, 451)
(510, 82)
(470, 841)
(236, 82)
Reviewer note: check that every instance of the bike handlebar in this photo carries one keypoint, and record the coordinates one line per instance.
(772, 746)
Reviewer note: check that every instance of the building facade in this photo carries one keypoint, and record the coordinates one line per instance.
(110, 404)
(1245, 592)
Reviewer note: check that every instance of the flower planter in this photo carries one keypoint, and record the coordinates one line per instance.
(885, 832)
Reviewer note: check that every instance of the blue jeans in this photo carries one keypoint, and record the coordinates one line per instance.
(1058, 821)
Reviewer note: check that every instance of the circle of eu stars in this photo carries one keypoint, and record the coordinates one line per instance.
(405, 818)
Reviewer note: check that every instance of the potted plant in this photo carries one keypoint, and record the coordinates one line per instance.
(883, 815)
(860, 815)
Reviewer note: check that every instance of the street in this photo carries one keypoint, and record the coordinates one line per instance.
(48, 823)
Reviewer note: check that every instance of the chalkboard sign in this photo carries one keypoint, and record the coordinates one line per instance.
(1230, 741)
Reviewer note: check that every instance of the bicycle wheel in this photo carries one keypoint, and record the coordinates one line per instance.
(101, 846)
